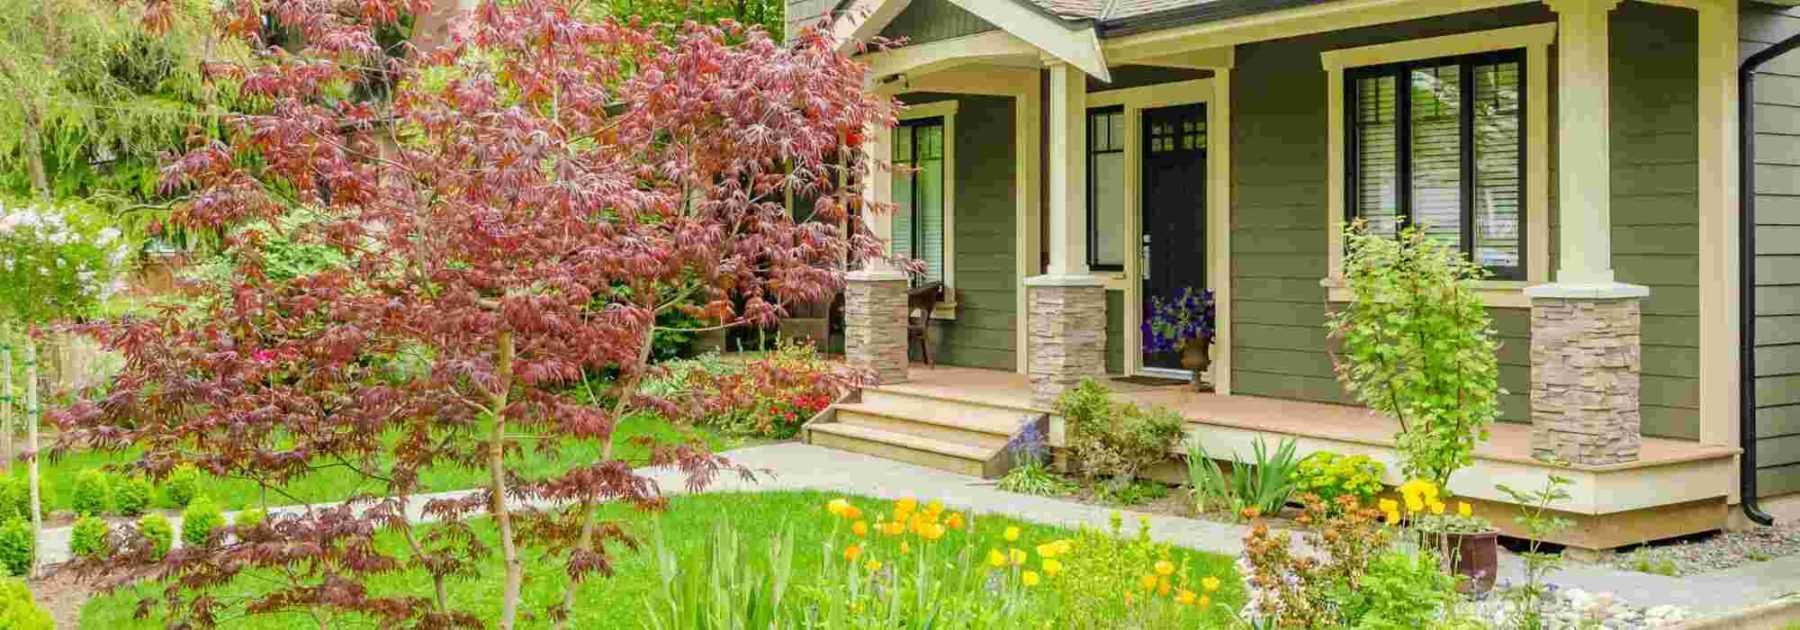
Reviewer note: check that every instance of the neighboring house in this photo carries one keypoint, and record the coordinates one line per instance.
(1074, 157)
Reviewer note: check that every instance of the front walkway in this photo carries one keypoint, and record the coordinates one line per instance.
(793, 466)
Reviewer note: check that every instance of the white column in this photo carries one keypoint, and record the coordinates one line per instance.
(1719, 278)
(1068, 171)
(1584, 165)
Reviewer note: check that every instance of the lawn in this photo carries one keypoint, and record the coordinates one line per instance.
(335, 483)
(620, 602)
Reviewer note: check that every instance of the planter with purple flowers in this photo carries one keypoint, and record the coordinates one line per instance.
(1184, 325)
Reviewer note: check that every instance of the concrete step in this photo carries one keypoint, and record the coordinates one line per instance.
(949, 412)
(975, 461)
(862, 414)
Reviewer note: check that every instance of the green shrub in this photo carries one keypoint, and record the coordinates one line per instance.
(1032, 477)
(1264, 483)
(91, 495)
(1113, 441)
(249, 518)
(1330, 475)
(183, 485)
(18, 546)
(131, 495)
(201, 518)
(15, 497)
(1401, 590)
(155, 529)
(18, 611)
(88, 539)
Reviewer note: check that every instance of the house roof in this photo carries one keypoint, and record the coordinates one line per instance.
(1115, 18)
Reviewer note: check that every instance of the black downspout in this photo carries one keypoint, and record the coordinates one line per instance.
(1747, 271)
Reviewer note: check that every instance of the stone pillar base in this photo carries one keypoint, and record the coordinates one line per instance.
(1584, 373)
(1068, 334)
(875, 323)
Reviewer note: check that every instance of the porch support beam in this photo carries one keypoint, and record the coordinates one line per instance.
(1068, 171)
(1067, 320)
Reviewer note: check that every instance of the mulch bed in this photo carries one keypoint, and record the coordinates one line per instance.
(62, 594)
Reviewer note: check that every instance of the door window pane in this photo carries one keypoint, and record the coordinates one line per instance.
(918, 222)
(1106, 189)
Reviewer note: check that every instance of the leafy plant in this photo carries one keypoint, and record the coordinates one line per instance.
(15, 496)
(200, 521)
(1539, 523)
(1170, 324)
(1260, 486)
(1331, 475)
(131, 495)
(1402, 590)
(157, 535)
(1312, 589)
(1417, 345)
(722, 587)
(91, 494)
(55, 262)
(1031, 472)
(18, 611)
(18, 546)
(182, 485)
(248, 519)
(770, 396)
(88, 538)
(1115, 442)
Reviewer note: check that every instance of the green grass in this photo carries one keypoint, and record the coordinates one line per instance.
(336, 483)
(619, 602)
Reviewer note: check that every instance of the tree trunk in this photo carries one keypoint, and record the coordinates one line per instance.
(31, 444)
(509, 549)
(34, 151)
(6, 408)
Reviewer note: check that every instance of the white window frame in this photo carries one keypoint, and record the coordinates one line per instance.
(947, 110)
(1535, 40)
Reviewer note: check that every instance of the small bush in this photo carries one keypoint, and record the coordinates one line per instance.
(1401, 590)
(92, 495)
(158, 533)
(88, 539)
(18, 546)
(15, 496)
(131, 495)
(1261, 485)
(198, 522)
(249, 518)
(1330, 475)
(183, 485)
(18, 611)
(1112, 441)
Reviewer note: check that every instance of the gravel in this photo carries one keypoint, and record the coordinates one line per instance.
(1719, 551)
(1576, 608)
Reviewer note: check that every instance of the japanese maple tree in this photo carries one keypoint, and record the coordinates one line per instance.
(506, 224)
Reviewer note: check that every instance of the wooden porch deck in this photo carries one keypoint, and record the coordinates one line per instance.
(1675, 488)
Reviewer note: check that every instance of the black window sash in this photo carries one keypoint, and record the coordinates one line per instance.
(1101, 115)
(911, 127)
(1402, 75)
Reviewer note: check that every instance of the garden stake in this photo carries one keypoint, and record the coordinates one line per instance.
(31, 444)
(6, 409)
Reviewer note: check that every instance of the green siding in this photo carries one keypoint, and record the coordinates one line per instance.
(1115, 332)
(1777, 164)
(934, 20)
(1279, 192)
(983, 334)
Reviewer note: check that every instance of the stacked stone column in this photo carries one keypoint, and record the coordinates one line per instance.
(1068, 334)
(1585, 362)
(875, 323)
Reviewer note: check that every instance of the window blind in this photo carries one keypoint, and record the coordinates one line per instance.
(1498, 180)
(1377, 153)
(918, 222)
(1436, 152)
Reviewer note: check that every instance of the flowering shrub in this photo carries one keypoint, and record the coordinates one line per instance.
(1330, 475)
(770, 396)
(1170, 324)
(55, 262)
(1115, 441)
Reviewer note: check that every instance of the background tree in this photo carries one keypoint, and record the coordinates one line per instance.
(510, 222)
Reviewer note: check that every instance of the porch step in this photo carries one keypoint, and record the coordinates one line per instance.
(962, 436)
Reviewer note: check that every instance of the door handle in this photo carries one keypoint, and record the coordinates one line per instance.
(1144, 260)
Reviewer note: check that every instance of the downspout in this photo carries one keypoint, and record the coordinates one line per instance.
(1747, 270)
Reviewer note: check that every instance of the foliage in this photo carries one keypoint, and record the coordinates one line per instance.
(722, 588)
(88, 538)
(1401, 591)
(18, 611)
(248, 519)
(1136, 492)
(1115, 441)
(1288, 588)
(512, 219)
(15, 496)
(131, 495)
(55, 263)
(1107, 568)
(1417, 345)
(91, 494)
(18, 545)
(1656, 562)
(765, 14)
(1170, 324)
(1031, 474)
(769, 396)
(200, 521)
(1256, 487)
(155, 536)
(182, 485)
(1538, 522)
(1331, 475)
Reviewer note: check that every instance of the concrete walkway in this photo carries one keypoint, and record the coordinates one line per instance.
(793, 466)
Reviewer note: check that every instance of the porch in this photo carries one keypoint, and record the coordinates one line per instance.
(1674, 488)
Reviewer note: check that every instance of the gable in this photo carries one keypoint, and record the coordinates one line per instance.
(934, 20)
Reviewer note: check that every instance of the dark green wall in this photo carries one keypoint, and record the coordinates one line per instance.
(933, 20)
(983, 333)
(1115, 332)
(1777, 164)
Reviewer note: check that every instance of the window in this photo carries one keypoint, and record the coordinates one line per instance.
(1440, 143)
(919, 160)
(1106, 189)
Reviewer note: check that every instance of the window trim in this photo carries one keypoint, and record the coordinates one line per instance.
(1400, 72)
(945, 110)
(1093, 210)
(1535, 40)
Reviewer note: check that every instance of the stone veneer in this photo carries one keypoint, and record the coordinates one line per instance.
(875, 323)
(1068, 334)
(1584, 380)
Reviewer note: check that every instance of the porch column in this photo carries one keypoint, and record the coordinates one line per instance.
(1068, 306)
(1585, 325)
(875, 296)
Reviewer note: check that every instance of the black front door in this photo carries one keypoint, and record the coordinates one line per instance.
(1174, 209)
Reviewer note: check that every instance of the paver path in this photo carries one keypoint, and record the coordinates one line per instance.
(793, 466)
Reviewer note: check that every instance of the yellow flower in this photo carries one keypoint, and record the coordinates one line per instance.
(1063, 546)
(1162, 587)
(1148, 582)
(837, 507)
(1184, 597)
(1437, 507)
(1414, 503)
(934, 508)
(852, 513)
(852, 551)
(1128, 598)
(872, 566)
(996, 559)
(1016, 555)
(905, 507)
(1052, 566)
(1047, 550)
(1389, 505)
(1204, 601)
(904, 548)
(1463, 509)
(1393, 517)
(954, 521)
(1012, 534)
(1164, 567)
(1209, 583)
(932, 531)
(1030, 578)
(860, 528)
(894, 528)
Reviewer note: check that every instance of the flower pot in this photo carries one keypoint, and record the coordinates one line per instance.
(1474, 556)
(1195, 357)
